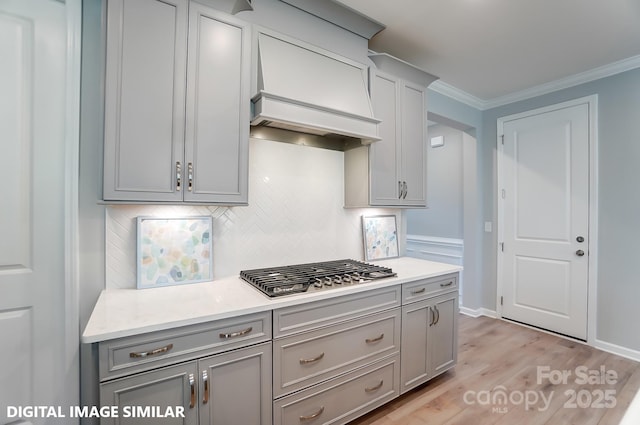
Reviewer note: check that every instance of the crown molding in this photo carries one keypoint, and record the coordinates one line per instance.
(560, 84)
(457, 94)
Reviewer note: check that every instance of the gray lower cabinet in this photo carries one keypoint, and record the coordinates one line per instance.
(429, 339)
(343, 398)
(176, 103)
(212, 373)
(336, 359)
(224, 389)
(235, 387)
(170, 387)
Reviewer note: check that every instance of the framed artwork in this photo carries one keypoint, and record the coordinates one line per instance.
(380, 236)
(174, 251)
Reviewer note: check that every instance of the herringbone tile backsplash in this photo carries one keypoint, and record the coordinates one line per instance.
(295, 215)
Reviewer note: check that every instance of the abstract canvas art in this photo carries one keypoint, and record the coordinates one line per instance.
(380, 237)
(173, 251)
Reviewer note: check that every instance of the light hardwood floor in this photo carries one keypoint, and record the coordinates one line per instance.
(496, 355)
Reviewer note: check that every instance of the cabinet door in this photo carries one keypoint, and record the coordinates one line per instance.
(218, 109)
(235, 387)
(414, 364)
(443, 334)
(384, 155)
(172, 387)
(144, 99)
(413, 146)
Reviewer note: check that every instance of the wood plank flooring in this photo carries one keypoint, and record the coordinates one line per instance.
(496, 358)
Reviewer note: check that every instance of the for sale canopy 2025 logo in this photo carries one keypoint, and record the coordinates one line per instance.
(587, 388)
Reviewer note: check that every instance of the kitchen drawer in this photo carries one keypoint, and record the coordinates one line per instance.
(427, 288)
(343, 399)
(124, 356)
(311, 357)
(318, 314)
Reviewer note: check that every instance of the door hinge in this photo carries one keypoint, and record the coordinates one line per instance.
(502, 137)
(501, 300)
(503, 193)
(502, 246)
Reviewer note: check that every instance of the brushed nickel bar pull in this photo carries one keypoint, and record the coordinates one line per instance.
(236, 334)
(418, 291)
(152, 352)
(315, 359)
(372, 340)
(444, 285)
(192, 384)
(205, 380)
(178, 176)
(315, 415)
(374, 388)
(190, 176)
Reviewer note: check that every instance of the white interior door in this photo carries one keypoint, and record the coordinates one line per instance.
(545, 219)
(34, 363)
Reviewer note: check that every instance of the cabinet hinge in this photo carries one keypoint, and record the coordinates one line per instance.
(501, 300)
(502, 246)
(503, 193)
(502, 137)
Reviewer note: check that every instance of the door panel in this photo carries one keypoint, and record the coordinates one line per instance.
(546, 208)
(413, 143)
(144, 99)
(538, 277)
(168, 387)
(217, 133)
(239, 387)
(385, 154)
(33, 104)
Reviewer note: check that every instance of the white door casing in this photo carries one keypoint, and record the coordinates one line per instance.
(39, 82)
(545, 189)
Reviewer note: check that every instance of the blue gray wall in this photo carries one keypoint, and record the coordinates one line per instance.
(443, 218)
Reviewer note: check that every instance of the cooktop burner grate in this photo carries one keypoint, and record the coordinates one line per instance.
(285, 280)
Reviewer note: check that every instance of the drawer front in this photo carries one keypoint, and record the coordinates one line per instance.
(340, 400)
(323, 313)
(309, 358)
(427, 288)
(133, 354)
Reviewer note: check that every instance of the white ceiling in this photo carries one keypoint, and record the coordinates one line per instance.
(492, 48)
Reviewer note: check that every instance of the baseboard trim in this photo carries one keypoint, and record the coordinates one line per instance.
(478, 312)
(617, 350)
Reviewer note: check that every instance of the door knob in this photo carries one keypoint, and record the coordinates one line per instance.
(580, 239)
(579, 253)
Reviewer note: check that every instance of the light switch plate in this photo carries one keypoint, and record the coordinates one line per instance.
(437, 141)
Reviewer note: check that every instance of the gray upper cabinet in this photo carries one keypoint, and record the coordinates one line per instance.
(176, 103)
(397, 162)
(392, 171)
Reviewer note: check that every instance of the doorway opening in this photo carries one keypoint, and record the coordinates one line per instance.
(449, 229)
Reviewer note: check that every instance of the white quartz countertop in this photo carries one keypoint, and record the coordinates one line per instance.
(125, 312)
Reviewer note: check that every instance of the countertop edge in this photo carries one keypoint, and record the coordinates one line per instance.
(120, 313)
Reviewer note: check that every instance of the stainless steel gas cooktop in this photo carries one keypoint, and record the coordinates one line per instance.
(285, 280)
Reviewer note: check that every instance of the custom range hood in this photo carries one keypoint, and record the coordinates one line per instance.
(305, 89)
